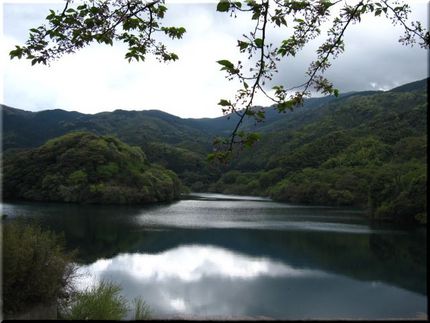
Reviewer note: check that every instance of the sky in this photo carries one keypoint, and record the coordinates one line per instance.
(98, 78)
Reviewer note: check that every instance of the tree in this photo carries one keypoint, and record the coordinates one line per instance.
(137, 23)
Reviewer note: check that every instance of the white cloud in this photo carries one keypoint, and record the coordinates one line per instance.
(98, 78)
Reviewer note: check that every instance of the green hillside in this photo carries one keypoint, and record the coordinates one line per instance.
(178, 144)
(82, 167)
(364, 149)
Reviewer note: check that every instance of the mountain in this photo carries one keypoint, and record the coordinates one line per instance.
(170, 141)
(24, 129)
(421, 85)
(82, 167)
(366, 149)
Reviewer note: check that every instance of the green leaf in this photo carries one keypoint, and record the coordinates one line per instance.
(173, 56)
(18, 52)
(261, 114)
(224, 103)
(223, 6)
(221, 156)
(285, 105)
(254, 136)
(250, 139)
(226, 63)
(211, 156)
(242, 44)
(336, 92)
(94, 10)
(259, 42)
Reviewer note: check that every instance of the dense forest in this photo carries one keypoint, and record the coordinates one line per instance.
(364, 149)
(83, 167)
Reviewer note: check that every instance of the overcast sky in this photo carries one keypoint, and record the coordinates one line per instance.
(98, 78)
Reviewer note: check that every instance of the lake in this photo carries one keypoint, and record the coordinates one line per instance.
(222, 256)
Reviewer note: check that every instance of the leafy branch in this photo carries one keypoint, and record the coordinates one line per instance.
(304, 18)
(132, 22)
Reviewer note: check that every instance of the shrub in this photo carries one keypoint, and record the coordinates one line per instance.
(104, 302)
(101, 302)
(36, 268)
(141, 310)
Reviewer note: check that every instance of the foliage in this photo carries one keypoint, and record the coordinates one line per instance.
(29, 253)
(83, 167)
(303, 20)
(132, 22)
(100, 302)
(142, 311)
(103, 301)
(367, 150)
(398, 192)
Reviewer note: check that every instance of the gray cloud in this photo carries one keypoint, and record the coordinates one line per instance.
(99, 79)
(372, 55)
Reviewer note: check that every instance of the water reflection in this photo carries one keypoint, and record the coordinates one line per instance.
(207, 281)
(194, 262)
(295, 256)
(224, 197)
(254, 214)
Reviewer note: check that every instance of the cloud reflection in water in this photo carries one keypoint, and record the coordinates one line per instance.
(209, 281)
(192, 263)
(186, 278)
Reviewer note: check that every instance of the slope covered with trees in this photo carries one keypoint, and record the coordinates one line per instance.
(178, 144)
(83, 167)
(365, 149)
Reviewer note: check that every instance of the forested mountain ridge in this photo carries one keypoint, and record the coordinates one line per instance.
(166, 139)
(25, 129)
(366, 149)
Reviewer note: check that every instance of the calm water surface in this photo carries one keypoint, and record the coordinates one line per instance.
(213, 255)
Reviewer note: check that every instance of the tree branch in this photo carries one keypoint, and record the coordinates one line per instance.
(257, 80)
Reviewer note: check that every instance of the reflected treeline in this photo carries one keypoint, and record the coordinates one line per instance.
(95, 231)
(393, 257)
(398, 259)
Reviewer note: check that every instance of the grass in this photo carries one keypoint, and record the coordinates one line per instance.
(104, 302)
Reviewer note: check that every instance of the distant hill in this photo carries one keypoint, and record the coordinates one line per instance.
(167, 140)
(363, 149)
(25, 129)
(366, 149)
(421, 85)
(82, 167)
